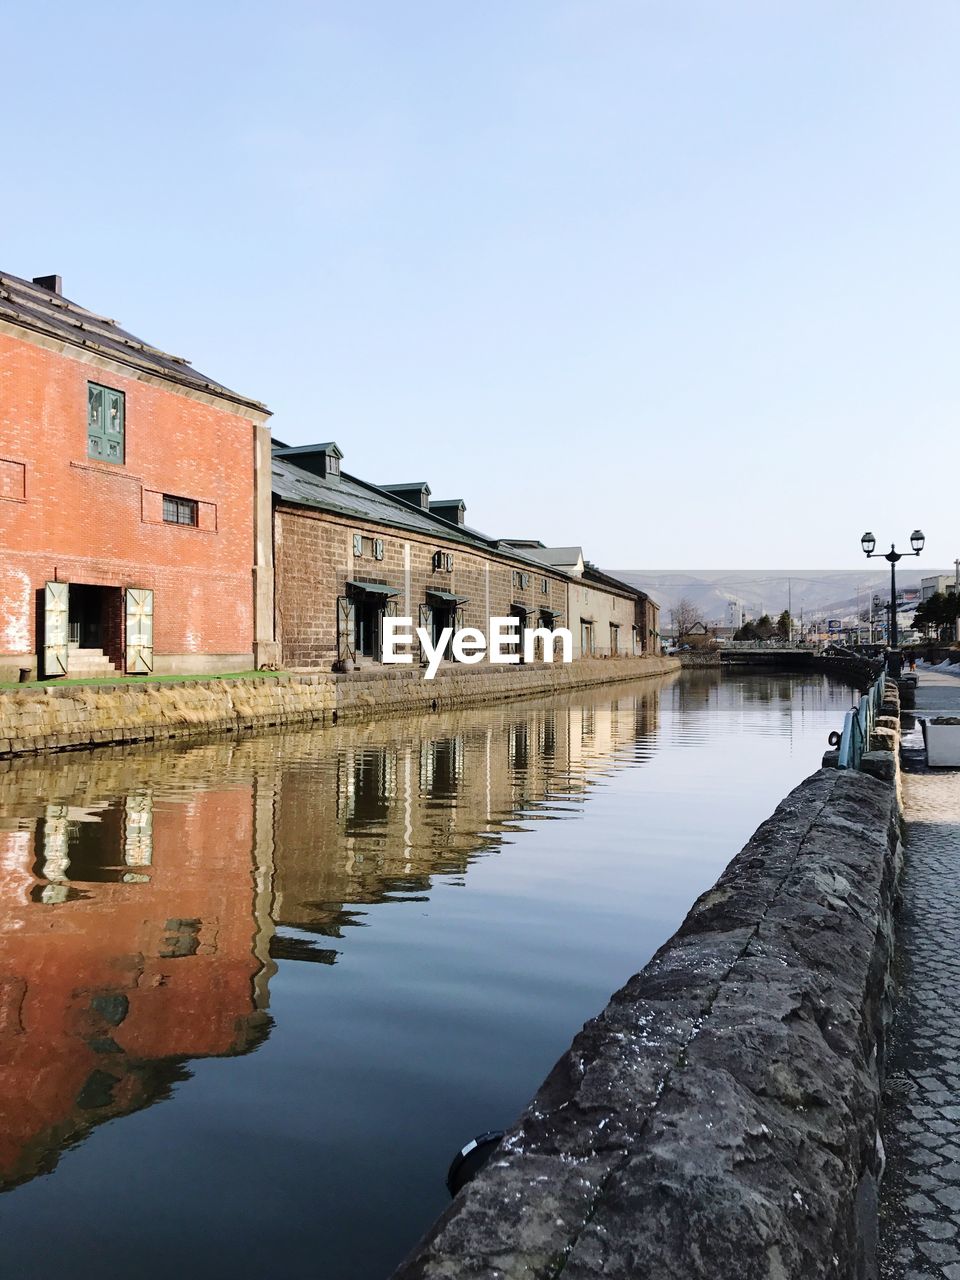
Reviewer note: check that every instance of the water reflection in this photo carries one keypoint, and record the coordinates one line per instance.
(156, 903)
(129, 943)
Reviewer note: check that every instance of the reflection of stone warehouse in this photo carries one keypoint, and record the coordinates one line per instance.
(137, 531)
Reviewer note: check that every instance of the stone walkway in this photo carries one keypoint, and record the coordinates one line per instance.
(920, 1198)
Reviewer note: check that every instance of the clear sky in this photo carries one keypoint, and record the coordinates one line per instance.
(676, 281)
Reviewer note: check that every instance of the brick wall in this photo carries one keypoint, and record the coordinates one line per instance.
(66, 516)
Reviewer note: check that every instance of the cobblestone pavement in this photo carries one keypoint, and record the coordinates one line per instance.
(920, 1197)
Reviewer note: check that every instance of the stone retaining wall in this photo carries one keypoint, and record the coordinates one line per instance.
(66, 717)
(853, 670)
(719, 1119)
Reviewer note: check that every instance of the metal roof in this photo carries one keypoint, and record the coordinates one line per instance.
(287, 450)
(345, 495)
(448, 597)
(373, 588)
(545, 555)
(31, 306)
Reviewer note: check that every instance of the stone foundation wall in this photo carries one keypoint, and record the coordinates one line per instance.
(853, 670)
(66, 717)
(720, 1117)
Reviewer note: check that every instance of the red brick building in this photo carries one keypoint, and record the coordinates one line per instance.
(134, 501)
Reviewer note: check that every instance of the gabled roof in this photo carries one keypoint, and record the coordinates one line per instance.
(306, 450)
(31, 306)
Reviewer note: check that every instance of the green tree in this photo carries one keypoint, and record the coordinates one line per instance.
(784, 625)
(938, 613)
(765, 627)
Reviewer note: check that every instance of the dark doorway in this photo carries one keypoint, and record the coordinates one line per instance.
(87, 616)
(516, 646)
(442, 615)
(96, 619)
(368, 613)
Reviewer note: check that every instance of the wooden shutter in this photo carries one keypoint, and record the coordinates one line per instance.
(138, 603)
(106, 410)
(113, 430)
(425, 621)
(56, 617)
(96, 413)
(346, 629)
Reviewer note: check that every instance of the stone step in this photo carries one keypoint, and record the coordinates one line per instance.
(89, 662)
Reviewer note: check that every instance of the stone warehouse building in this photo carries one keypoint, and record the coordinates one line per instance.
(134, 523)
(347, 553)
(608, 617)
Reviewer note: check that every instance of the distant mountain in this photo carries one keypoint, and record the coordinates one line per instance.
(818, 593)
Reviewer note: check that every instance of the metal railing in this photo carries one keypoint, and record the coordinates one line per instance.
(858, 726)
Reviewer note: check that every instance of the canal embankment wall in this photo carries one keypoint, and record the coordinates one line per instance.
(71, 717)
(720, 1118)
(853, 669)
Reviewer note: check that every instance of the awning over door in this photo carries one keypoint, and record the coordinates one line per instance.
(380, 589)
(446, 597)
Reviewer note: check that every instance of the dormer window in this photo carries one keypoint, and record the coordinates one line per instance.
(416, 493)
(321, 460)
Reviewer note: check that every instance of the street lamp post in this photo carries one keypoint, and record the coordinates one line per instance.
(868, 542)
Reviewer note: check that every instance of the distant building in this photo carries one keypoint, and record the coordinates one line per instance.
(607, 615)
(940, 583)
(134, 510)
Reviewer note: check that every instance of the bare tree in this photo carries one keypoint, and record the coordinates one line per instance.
(683, 616)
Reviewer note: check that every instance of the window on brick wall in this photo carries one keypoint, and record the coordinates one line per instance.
(105, 423)
(358, 544)
(179, 510)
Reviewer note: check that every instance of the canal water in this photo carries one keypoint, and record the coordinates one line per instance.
(255, 993)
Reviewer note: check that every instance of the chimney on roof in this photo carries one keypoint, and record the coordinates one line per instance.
(452, 509)
(53, 283)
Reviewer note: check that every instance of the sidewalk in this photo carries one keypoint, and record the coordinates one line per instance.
(920, 1197)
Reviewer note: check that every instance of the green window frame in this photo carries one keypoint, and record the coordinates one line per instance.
(106, 423)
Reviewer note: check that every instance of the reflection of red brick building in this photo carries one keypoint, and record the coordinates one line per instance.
(127, 944)
(128, 482)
